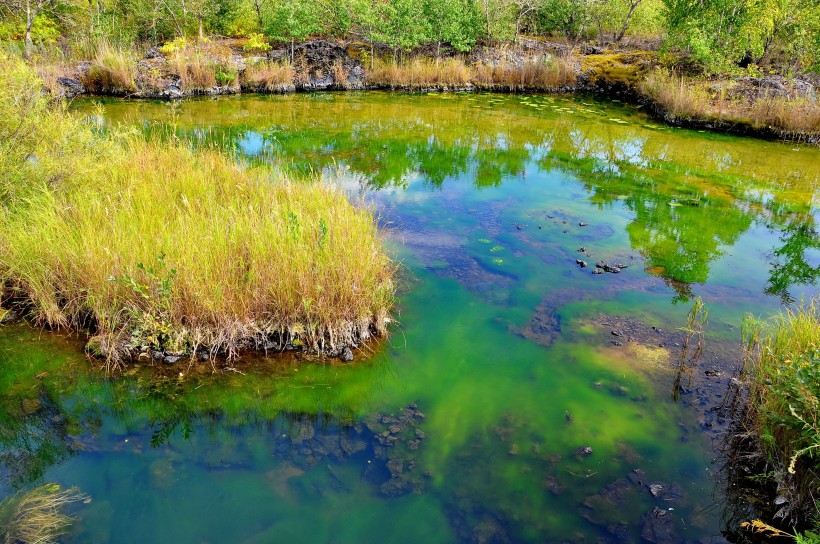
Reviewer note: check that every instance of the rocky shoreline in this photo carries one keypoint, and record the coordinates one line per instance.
(322, 65)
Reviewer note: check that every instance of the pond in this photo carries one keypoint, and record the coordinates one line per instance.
(520, 397)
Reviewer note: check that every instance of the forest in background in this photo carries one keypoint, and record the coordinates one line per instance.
(735, 37)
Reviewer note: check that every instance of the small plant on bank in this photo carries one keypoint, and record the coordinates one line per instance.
(174, 46)
(257, 44)
(150, 310)
(225, 77)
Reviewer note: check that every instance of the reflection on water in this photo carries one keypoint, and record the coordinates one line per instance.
(500, 410)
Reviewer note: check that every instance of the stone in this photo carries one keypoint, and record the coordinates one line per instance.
(71, 87)
(582, 264)
(96, 347)
(584, 451)
(659, 527)
(170, 359)
(346, 355)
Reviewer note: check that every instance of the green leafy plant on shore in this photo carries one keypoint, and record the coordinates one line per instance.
(150, 311)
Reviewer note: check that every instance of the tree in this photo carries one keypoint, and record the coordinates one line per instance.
(721, 33)
(28, 11)
(499, 18)
(400, 25)
(452, 21)
(293, 20)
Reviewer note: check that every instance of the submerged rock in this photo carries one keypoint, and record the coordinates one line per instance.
(96, 347)
(659, 527)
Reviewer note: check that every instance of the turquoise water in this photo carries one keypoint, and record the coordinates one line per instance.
(465, 425)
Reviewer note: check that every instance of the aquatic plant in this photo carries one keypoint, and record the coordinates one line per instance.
(36, 516)
(258, 259)
(782, 365)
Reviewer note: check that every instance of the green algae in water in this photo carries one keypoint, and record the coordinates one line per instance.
(496, 355)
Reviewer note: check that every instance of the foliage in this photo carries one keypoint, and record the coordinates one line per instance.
(256, 44)
(722, 34)
(256, 255)
(225, 76)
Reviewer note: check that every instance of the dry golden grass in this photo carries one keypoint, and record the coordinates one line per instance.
(685, 98)
(678, 96)
(794, 116)
(194, 71)
(420, 73)
(36, 517)
(161, 247)
(267, 76)
(533, 74)
(340, 75)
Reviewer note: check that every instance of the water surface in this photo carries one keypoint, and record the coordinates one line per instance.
(465, 425)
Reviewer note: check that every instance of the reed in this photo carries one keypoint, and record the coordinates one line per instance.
(420, 73)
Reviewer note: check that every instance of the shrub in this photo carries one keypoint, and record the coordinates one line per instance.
(256, 44)
(225, 77)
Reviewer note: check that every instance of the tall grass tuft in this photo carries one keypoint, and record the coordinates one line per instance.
(159, 247)
(36, 517)
(782, 365)
(267, 76)
(113, 71)
(676, 95)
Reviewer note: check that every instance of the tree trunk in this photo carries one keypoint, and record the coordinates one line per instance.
(372, 53)
(29, 23)
(292, 51)
(632, 7)
(201, 33)
(258, 13)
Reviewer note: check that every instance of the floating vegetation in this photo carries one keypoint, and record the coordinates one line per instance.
(36, 516)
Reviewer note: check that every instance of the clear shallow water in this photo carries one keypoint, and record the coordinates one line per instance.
(496, 342)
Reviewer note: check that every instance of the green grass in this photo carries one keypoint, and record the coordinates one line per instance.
(157, 246)
(783, 365)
